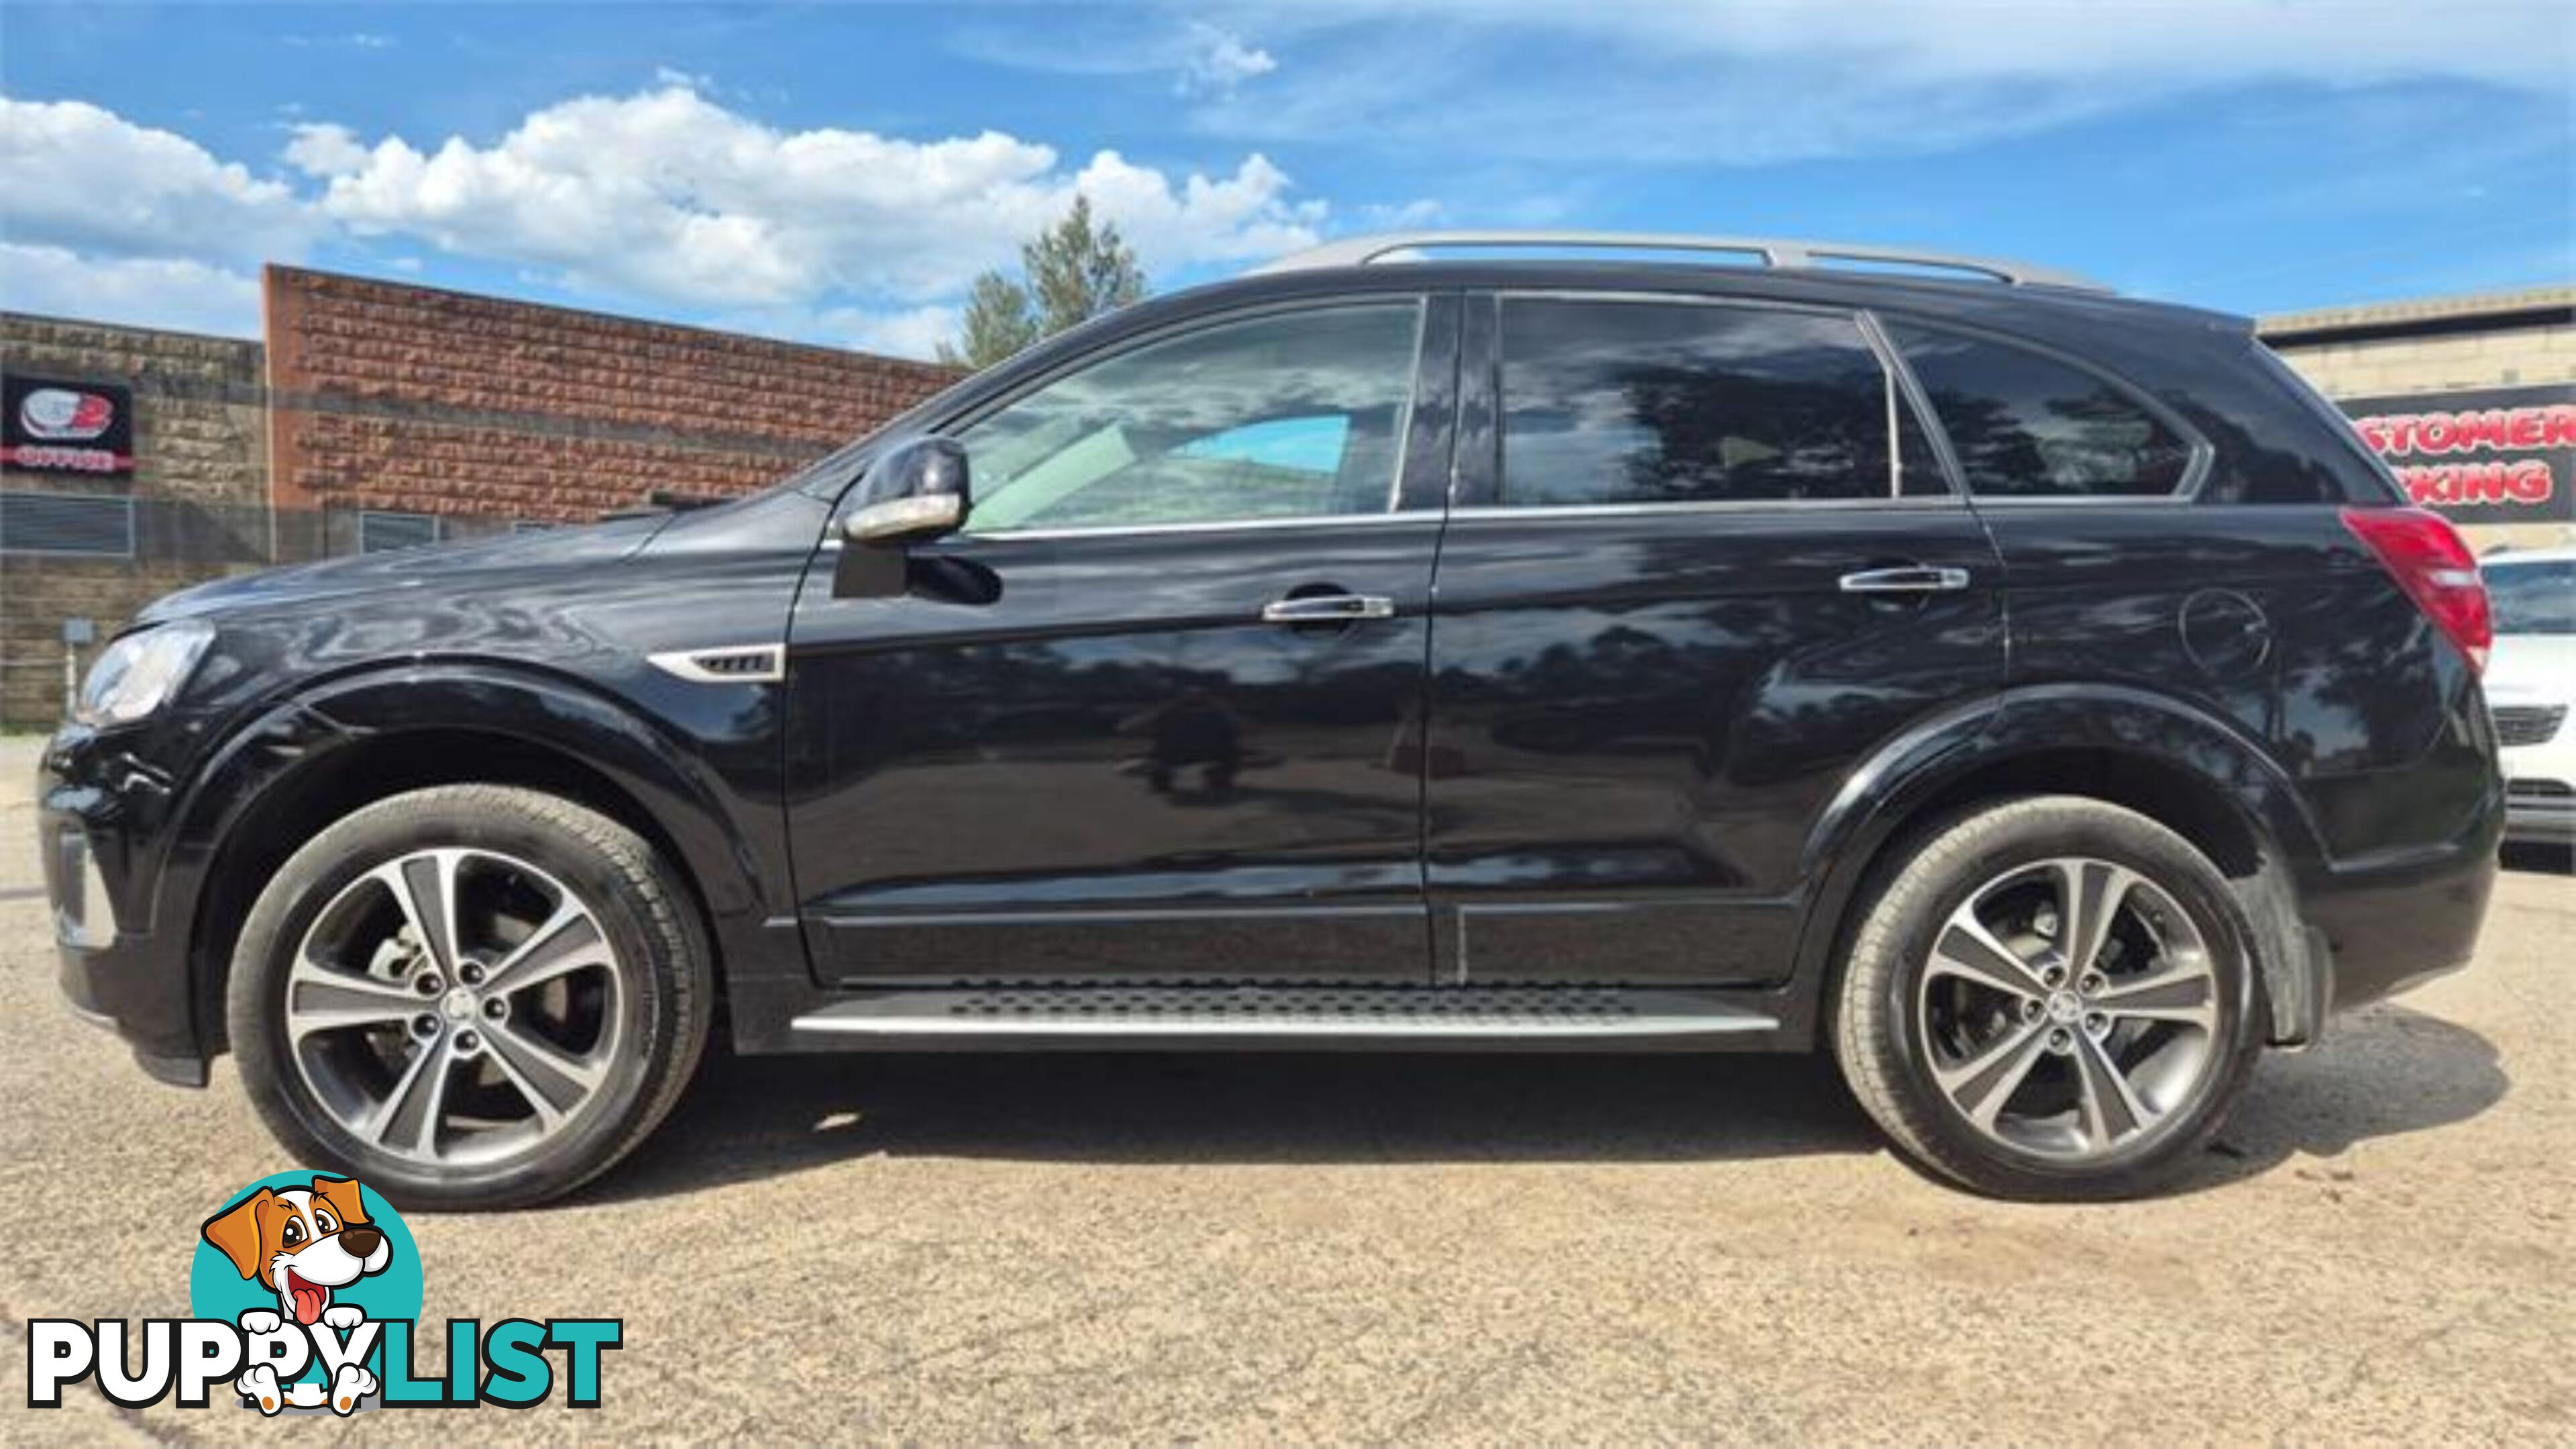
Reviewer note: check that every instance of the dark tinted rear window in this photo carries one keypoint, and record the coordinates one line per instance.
(2029, 426)
(1650, 402)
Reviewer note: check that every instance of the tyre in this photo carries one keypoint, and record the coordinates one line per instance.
(2049, 998)
(472, 996)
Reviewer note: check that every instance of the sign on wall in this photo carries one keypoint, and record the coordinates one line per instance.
(66, 427)
(2494, 455)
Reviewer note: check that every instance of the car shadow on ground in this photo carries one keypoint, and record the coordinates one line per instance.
(2387, 1071)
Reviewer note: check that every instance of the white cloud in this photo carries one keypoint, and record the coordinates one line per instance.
(79, 177)
(138, 291)
(914, 332)
(1218, 61)
(325, 150)
(668, 195)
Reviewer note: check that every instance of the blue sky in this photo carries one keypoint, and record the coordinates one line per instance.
(838, 173)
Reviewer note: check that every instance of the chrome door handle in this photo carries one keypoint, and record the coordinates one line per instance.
(1327, 609)
(1912, 579)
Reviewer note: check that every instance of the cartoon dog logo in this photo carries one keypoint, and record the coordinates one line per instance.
(302, 1243)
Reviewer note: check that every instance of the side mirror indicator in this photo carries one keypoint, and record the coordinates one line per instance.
(918, 490)
(925, 516)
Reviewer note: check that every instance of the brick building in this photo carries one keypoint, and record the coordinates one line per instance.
(373, 415)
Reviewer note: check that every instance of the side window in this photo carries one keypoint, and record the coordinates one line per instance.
(1668, 402)
(2027, 426)
(1294, 415)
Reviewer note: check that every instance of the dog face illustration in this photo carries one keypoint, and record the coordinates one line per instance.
(301, 1243)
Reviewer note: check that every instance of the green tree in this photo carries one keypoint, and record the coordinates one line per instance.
(1070, 273)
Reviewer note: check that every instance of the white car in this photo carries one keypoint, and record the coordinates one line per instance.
(2531, 688)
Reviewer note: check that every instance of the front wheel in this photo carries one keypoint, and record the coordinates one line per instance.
(471, 996)
(2050, 998)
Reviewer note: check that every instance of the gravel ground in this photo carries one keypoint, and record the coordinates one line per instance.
(1349, 1248)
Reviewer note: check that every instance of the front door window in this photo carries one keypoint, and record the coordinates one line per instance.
(1291, 415)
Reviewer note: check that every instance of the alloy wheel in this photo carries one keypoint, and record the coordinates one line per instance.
(454, 1007)
(2069, 1008)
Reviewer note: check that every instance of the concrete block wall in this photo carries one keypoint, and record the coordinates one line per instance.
(2523, 339)
(200, 442)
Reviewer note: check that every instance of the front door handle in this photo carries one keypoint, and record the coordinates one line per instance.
(1910, 579)
(1327, 609)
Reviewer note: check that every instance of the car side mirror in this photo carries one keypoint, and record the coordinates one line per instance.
(916, 492)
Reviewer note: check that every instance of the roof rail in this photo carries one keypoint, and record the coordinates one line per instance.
(1773, 251)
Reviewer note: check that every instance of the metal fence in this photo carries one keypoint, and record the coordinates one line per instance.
(74, 567)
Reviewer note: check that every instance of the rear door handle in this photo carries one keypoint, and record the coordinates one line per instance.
(1327, 609)
(1912, 579)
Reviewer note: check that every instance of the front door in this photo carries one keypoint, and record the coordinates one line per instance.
(1155, 714)
(1705, 563)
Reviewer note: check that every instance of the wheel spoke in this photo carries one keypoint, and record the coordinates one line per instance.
(2089, 894)
(570, 940)
(320, 1000)
(1983, 1083)
(553, 1081)
(407, 1120)
(424, 885)
(1968, 950)
(2111, 1109)
(2186, 993)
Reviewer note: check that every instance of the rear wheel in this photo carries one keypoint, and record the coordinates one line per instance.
(2051, 998)
(469, 996)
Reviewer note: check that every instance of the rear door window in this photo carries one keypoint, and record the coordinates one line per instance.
(1618, 401)
(2029, 426)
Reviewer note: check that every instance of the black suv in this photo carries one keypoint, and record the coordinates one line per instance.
(2037, 699)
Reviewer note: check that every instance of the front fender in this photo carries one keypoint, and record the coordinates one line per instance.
(682, 783)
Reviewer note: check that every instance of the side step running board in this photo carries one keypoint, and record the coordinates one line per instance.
(1317, 1016)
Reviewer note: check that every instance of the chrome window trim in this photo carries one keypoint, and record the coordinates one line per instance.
(1649, 295)
(2195, 473)
(1485, 511)
(1425, 517)
(1891, 357)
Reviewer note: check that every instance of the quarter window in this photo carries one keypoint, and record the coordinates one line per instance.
(1293, 415)
(1609, 401)
(2027, 426)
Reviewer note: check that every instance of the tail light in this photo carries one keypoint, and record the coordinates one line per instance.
(2430, 562)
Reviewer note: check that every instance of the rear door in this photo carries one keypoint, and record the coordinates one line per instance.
(1155, 714)
(1701, 561)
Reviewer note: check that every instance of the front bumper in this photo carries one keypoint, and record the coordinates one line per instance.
(95, 824)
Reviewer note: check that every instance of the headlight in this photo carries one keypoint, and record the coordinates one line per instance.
(139, 672)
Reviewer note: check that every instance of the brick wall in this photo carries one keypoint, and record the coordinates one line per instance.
(201, 463)
(413, 399)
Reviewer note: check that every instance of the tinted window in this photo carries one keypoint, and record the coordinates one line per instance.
(2029, 426)
(2532, 598)
(1649, 402)
(1288, 416)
